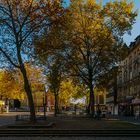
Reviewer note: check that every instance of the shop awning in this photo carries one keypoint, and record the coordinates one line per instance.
(136, 101)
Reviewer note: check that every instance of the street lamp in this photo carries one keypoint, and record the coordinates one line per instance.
(44, 100)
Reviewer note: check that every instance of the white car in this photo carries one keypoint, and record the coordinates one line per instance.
(103, 114)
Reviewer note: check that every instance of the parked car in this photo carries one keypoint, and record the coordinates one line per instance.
(103, 113)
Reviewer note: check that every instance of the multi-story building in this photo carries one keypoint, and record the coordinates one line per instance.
(111, 94)
(128, 81)
(111, 97)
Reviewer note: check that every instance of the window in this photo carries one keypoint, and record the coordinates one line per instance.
(101, 99)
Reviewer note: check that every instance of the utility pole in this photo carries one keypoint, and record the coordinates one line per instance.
(44, 100)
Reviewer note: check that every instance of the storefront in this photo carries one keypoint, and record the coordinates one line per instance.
(126, 107)
(136, 105)
(111, 107)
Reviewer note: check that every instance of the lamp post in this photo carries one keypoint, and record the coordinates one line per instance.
(6, 105)
(44, 100)
(44, 104)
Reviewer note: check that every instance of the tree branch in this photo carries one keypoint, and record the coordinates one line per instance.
(8, 58)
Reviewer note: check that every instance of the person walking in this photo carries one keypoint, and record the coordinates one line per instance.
(98, 113)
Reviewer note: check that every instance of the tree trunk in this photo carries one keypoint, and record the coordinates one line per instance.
(88, 107)
(29, 94)
(91, 103)
(56, 105)
(27, 87)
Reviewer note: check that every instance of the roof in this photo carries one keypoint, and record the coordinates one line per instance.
(134, 44)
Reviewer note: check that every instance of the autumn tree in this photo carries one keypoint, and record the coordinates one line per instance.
(94, 38)
(54, 79)
(90, 39)
(67, 91)
(37, 83)
(11, 83)
(10, 88)
(45, 48)
(20, 20)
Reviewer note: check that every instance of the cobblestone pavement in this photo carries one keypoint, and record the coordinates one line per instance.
(69, 138)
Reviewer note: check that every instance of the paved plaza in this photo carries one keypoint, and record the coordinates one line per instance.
(70, 123)
(9, 118)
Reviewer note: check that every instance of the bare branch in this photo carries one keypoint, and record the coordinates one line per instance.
(8, 58)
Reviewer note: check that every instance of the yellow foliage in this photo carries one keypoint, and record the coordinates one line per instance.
(67, 91)
(11, 82)
(9, 87)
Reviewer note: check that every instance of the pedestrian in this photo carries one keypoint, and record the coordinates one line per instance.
(98, 113)
(75, 108)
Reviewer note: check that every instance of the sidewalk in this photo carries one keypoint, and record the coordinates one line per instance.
(6, 119)
(75, 122)
(130, 119)
(10, 117)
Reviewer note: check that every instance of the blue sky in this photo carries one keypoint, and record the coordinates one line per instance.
(136, 27)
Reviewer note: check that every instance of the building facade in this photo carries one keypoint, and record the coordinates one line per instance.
(111, 97)
(100, 98)
(128, 81)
